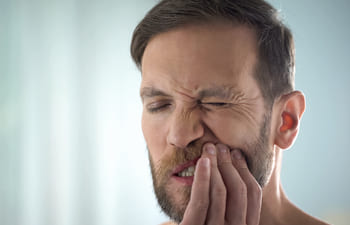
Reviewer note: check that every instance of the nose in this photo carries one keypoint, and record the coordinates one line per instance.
(185, 128)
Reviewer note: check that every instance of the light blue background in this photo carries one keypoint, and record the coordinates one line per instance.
(71, 147)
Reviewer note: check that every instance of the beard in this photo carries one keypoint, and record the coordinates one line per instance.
(259, 158)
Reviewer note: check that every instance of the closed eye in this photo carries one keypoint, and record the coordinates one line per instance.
(216, 103)
(157, 107)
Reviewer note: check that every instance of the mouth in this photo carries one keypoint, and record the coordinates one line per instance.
(184, 173)
(188, 172)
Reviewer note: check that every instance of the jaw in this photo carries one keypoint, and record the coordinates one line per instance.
(173, 198)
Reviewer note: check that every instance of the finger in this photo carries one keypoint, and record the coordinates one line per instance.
(198, 205)
(254, 192)
(236, 203)
(217, 206)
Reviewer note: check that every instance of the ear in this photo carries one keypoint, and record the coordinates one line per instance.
(290, 110)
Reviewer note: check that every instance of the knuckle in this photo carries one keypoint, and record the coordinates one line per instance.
(224, 163)
(201, 205)
(220, 191)
(242, 189)
(256, 192)
(254, 188)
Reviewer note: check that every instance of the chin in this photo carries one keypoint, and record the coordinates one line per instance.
(173, 200)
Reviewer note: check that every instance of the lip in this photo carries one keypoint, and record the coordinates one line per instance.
(184, 166)
(184, 180)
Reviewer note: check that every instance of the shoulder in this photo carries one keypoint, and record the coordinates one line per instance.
(297, 216)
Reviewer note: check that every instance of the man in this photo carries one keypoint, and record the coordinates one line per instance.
(219, 108)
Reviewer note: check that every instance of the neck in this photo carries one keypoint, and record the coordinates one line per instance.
(275, 203)
(276, 209)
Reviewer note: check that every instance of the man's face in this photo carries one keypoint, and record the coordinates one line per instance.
(198, 86)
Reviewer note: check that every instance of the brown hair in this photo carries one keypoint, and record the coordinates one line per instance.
(275, 69)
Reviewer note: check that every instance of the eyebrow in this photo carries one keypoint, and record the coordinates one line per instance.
(149, 92)
(222, 92)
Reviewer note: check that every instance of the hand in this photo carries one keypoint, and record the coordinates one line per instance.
(223, 191)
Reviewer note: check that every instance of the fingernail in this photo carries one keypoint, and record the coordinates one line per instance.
(237, 154)
(210, 148)
(222, 148)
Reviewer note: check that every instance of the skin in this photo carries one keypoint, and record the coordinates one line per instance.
(183, 74)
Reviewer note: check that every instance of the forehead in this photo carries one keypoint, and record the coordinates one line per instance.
(195, 57)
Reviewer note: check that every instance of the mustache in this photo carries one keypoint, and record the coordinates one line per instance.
(177, 156)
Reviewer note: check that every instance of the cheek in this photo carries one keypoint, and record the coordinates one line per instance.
(154, 134)
(230, 129)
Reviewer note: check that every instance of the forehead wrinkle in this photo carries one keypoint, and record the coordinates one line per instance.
(223, 92)
(184, 86)
(185, 93)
